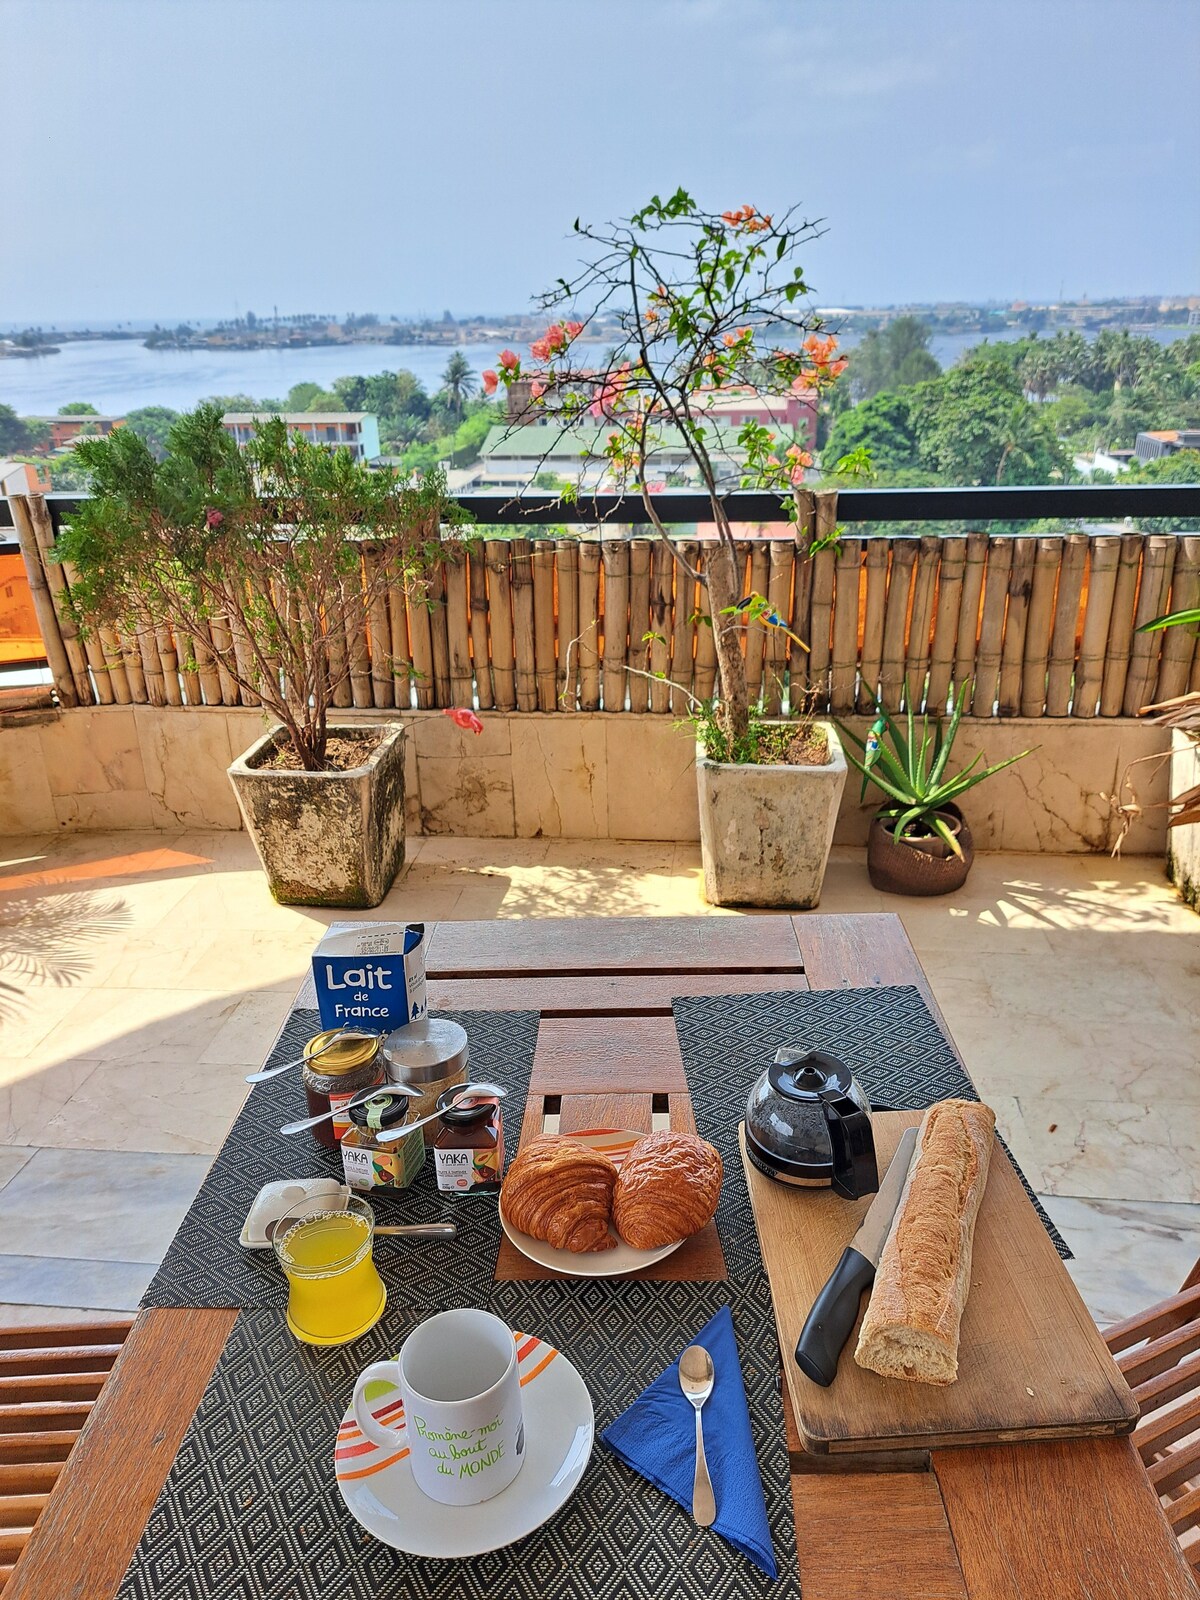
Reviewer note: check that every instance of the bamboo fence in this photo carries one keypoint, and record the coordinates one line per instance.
(1027, 626)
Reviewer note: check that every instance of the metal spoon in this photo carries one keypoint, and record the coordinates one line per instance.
(465, 1093)
(342, 1033)
(359, 1100)
(696, 1378)
(403, 1230)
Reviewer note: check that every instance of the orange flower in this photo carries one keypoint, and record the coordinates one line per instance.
(490, 380)
(509, 360)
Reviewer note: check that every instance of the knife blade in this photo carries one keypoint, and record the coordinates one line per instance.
(831, 1319)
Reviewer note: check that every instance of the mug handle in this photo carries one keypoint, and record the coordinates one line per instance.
(381, 1371)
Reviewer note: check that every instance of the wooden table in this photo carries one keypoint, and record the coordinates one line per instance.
(1070, 1521)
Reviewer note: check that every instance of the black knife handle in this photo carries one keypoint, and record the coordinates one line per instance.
(824, 1334)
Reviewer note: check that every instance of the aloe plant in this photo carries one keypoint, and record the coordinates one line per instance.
(910, 767)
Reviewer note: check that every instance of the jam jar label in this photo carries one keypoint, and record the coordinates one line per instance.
(455, 1168)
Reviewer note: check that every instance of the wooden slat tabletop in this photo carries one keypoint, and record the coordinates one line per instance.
(1067, 1521)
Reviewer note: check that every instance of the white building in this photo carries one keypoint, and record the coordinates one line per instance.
(356, 431)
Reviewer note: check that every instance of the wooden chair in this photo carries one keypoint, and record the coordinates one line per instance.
(50, 1378)
(1159, 1353)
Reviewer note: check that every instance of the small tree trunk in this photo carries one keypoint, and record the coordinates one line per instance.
(721, 569)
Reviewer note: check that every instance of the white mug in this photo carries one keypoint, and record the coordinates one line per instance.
(458, 1375)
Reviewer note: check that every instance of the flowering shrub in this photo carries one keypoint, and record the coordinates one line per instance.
(709, 305)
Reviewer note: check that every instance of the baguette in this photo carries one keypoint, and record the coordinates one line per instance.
(912, 1323)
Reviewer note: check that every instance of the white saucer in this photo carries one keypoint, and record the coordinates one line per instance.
(379, 1490)
(616, 1144)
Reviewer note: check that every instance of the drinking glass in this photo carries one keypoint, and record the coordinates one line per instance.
(334, 1292)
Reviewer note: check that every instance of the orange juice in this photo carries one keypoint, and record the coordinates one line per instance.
(335, 1293)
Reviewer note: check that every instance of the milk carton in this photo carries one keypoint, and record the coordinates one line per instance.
(371, 974)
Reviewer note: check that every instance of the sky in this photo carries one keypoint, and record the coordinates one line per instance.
(166, 159)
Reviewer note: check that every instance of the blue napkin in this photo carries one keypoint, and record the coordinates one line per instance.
(656, 1436)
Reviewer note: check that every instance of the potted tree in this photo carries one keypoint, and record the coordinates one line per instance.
(702, 306)
(919, 843)
(255, 559)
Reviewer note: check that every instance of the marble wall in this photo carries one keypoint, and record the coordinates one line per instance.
(1183, 844)
(531, 775)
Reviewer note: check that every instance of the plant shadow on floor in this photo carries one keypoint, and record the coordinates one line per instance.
(52, 939)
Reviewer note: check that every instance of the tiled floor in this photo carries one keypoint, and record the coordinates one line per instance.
(142, 975)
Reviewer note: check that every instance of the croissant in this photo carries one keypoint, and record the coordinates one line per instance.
(561, 1192)
(667, 1189)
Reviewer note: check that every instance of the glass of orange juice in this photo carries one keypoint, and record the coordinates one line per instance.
(334, 1292)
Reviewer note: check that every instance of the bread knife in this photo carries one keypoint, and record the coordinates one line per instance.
(831, 1319)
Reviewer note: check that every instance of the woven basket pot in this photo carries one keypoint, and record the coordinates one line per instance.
(919, 866)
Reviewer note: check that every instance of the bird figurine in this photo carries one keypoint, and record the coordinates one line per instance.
(767, 616)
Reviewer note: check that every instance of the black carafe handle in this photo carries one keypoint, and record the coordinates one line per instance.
(855, 1170)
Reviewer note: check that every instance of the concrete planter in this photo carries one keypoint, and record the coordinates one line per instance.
(326, 838)
(766, 832)
(1183, 844)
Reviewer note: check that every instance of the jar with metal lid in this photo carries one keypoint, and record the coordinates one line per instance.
(430, 1055)
(336, 1075)
(368, 1164)
(468, 1153)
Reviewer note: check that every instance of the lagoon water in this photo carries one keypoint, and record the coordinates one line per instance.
(119, 375)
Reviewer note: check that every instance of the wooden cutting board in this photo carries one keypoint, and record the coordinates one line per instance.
(1031, 1363)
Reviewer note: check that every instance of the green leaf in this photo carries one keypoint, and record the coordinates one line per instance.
(1174, 619)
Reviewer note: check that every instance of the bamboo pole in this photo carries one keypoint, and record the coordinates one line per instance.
(878, 551)
(458, 630)
(132, 659)
(354, 615)
(168, 656)
(662, 619)
(1012, 651)
(477, 578)
(43, 529)
(970, 607)
(1158, 561)
(782, 562)
(843, 679)
(566, 570)
(1179, 643)
(115, 661)
(152, 671)
(545, 664)
(383, 691)
(1101, 585)
(820, 644)
(524, 650)
(895, 622)
(704, 676)
(588, 625)
(756, 567)
(43, 604)
(206, 666)
(920, 626)
(945, 623)
(1040, 621)
(400, 661)
(1120, 626)
(683, 639)
(991, 627)
(500, 615)
(804, 532)
(639, 624)
(439, 637)
(189, 669)
(1060, 671)
(615, 560)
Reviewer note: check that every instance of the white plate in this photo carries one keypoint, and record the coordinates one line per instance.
(380, 1492)
(616, 1144)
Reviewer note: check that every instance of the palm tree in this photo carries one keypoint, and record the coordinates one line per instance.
(458, 380)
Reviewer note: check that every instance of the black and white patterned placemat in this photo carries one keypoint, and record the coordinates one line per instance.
(886, 1036)
(251, 1511)
(206, 1266)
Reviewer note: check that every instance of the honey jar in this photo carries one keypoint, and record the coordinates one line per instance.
(335, 1075)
